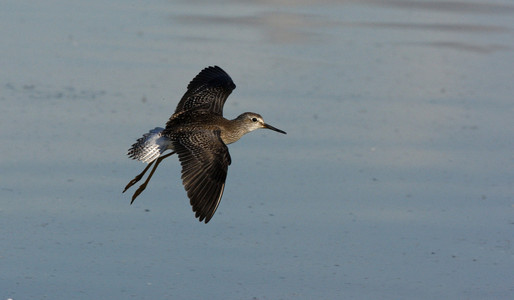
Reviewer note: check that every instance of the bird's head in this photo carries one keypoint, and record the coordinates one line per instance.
(252, 121)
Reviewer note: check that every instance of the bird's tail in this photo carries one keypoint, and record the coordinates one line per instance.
(150, 146)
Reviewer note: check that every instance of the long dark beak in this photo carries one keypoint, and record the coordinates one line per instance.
(273, 128)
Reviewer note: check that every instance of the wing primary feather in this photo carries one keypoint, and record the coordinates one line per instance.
(204, 159)
(207, 91)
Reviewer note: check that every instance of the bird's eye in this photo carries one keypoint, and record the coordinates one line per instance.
(254, 119)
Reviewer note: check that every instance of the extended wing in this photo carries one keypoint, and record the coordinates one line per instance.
(205, 160)
(207, 91)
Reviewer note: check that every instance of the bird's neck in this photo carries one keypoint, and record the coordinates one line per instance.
(233, 131)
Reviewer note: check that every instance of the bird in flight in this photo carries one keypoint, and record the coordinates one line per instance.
(199, 134)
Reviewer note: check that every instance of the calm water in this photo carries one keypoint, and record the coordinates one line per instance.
(395, 180)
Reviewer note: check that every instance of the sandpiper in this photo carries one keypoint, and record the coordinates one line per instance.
(199, 134)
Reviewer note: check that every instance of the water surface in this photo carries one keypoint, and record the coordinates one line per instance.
(393, 182)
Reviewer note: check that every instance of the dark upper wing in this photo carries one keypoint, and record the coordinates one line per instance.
(208, 90)
(205, 160)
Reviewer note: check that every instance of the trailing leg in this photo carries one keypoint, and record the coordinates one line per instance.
(138, 177)
(143, 186)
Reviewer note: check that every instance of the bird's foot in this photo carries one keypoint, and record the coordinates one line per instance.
(132, 182)
(138, 191)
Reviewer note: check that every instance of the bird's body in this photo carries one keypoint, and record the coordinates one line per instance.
(199, 134)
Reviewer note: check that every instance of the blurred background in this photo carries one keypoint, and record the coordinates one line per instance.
(395, 180)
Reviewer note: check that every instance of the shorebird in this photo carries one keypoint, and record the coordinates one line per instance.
(199, 134)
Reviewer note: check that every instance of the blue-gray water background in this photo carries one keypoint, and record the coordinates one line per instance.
(395, 180)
